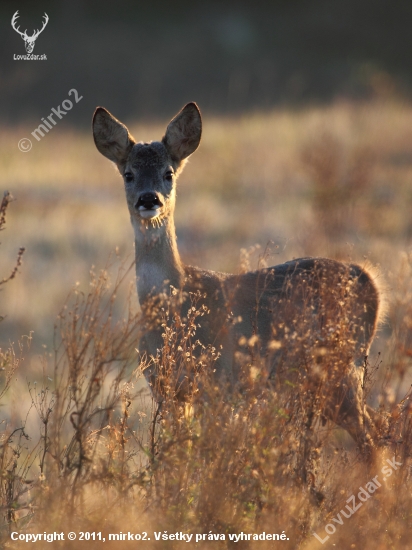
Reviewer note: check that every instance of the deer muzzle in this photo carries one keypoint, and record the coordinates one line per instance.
(149, 205)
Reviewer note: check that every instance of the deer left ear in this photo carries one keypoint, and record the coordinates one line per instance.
(183, 133)
(111, 137)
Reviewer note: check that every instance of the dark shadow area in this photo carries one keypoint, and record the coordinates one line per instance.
(145, 59)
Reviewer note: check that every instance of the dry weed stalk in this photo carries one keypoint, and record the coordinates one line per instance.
(6, 200)
(87, 442)
(93, 366)
(15, 459)
(13, 472)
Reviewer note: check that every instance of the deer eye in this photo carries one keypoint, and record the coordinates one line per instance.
(128, 176)
(169, 175)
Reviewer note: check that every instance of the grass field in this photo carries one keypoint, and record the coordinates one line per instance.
(331, 181)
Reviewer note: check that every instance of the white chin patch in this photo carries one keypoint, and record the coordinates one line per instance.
(149, 214)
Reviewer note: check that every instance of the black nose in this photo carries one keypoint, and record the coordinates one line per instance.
(149, 201)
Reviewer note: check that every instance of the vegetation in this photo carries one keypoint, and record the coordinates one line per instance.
(84, 449)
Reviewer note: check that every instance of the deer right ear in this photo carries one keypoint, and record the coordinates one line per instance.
(111, 137)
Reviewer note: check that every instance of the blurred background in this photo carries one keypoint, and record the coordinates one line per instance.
(306, 149)
(145, 58)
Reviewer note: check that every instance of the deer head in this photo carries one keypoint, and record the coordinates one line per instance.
(29, 41)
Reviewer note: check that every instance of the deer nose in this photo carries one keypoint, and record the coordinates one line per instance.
(148, 201)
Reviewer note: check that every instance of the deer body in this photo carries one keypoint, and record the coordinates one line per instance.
(315, 301)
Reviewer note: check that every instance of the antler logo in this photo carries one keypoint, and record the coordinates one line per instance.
(29, 41)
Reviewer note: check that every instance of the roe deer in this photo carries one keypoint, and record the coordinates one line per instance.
(312, 311)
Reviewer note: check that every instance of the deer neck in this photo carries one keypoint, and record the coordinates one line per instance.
(158, 264)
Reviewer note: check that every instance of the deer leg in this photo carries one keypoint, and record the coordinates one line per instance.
(346, 409)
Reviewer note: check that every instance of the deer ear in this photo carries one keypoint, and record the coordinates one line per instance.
(183, 133)
(111, 137)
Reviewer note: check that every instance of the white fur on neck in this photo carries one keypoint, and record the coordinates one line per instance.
(151, 279)
(157, 260)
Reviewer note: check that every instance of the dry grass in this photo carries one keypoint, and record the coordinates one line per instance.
(82, 448)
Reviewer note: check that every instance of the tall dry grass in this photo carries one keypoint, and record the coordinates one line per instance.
(83, 448)
(101, 458)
